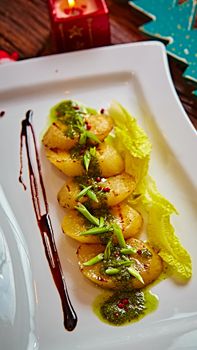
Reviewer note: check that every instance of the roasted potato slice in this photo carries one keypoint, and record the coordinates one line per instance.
(63, 161)
(109, 161)
(120, 187)
(149, 267)
(68, 193)
(73, 224)
(55, 136)
(128, 219)
(100, 125)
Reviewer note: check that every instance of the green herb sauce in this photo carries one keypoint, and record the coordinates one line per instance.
(72, 115)
(124, 307)
(89, 180)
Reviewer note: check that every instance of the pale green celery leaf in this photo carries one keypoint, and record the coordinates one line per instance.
(133, 135)
(135, 148)
(162, 235)
(132, 143)
(160, 231)
(157, 198)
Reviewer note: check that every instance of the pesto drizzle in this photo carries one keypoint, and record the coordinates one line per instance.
(124, 307)
(71, 114)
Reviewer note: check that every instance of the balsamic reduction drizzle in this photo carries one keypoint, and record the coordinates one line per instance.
(44, 221)
(2, 113)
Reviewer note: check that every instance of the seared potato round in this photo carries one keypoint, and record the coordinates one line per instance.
(68, 193)
(55, 136)
(120, 187)
(128, 219)
(109, 160)
(73, 224)
(100, 125)
(149, 267)
(63, 161)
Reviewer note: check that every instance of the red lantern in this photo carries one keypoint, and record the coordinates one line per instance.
(79, 24)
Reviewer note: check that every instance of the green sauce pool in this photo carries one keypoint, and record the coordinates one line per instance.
(124, 307)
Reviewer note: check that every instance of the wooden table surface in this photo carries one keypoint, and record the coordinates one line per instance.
(25, 28)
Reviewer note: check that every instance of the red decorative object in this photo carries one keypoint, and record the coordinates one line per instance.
(79, 24)
(6, 57)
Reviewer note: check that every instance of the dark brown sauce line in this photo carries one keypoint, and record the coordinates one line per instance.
(44, 221)
(39, 170)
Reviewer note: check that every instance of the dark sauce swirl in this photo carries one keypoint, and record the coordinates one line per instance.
(2, 113)
(43, 219)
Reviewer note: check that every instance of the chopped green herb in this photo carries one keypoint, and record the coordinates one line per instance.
(128, 250)
(92, 137)
(83, 192)
(119, 235)
(83, 138)
(101, 221)
(72, 115)
(107, 251)
(96, 231)
(136, 274)
(84, 211)
(112, 271)
(86, 159)
(93, 151)
(92, 196)
(94, 260)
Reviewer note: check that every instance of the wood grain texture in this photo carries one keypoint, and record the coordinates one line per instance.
(25, 28)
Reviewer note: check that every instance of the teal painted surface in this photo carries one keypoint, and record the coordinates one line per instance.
(173, 22)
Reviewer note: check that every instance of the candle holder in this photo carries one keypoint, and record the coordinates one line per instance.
(79, 24)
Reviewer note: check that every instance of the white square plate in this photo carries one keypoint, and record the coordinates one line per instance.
(137, 76)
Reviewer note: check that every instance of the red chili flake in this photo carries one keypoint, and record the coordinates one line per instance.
(99, 188)
(120, 305)
(88, 126)
(102, 111)
(76, 107)
(98, 179)
(117, 254)
(139, 251)
(125, 301)
(106, 189)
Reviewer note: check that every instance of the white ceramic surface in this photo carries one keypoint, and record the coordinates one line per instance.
(137, 76)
